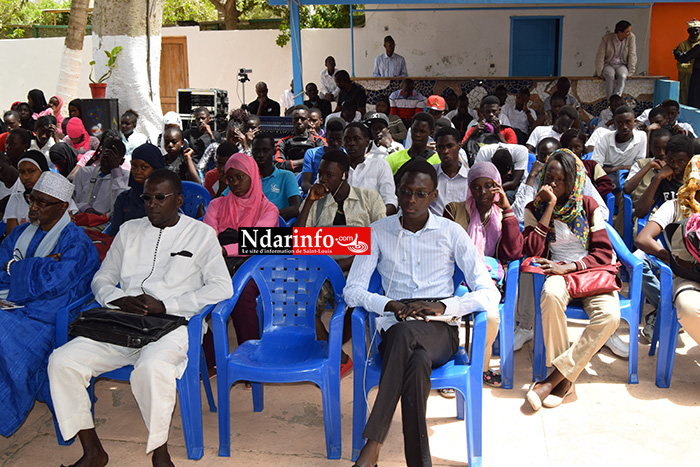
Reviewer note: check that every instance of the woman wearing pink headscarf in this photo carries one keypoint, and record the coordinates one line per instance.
(244, 206)
(56, 103)
(79, 138)
(487, 217)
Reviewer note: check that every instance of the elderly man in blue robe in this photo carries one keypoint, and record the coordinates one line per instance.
(46, 264)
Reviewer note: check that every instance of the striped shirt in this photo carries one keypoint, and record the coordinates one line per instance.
(406, 106)
(420, 265)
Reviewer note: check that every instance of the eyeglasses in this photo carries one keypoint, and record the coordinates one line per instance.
(160, 197)
(40, 203)
(419, 194)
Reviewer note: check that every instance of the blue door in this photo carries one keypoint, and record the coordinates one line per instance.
(535, 46)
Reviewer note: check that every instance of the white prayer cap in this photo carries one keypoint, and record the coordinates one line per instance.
(56, 185)
(172, 118)
(693, 24)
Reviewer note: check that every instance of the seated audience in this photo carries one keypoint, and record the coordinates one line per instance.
(520, 159)
(548, 117)
(142, 274)
(17, 143)
(129, 204)
(91, 158)
(675, 210)
(606, 119)
(63, 157)
(488, 129)
(665, 184)
(383, 142)
(565, 120)
(200, 135)
(177, 159)
(279, 186)
(406, 102)
(31, 165)
(287, 99)
(312, 157)
(452, 174)
(421, 128)
(489, 221)
(263, 106)
(56, 104)
(409, 348)
(315, 101)
(235, 134)
(396, 125)
(332, 201)
(9, 182)
(644, 170)
(47, 264)
(366, 172)
(244, 206)
(389, 64)
(169, 119)
(290, 151)
(350, 92)
(38, 104)
(575, 141)
(25, 116)
(348, 113)
(522, 119)
(11, 120)
(75, 108)
(329, 90)
(316, 120)
(78, 137)
(462, 116)
(130, 138)
(215, 179)
(565, 232)
(96, 188)
(563, 87)
(46, 135)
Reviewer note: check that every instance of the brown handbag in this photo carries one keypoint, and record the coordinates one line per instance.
(586, 282)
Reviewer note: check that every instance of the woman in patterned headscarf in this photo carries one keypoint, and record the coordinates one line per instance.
(565, 232)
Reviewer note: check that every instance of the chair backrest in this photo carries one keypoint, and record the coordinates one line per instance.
(289, 288)
(195, 195)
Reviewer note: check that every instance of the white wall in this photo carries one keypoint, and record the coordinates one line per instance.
(447, 43)
(34, 63)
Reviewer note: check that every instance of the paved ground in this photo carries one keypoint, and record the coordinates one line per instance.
(608, 423)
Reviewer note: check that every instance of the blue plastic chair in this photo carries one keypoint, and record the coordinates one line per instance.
(531, 158)
(188, 388)
(462, 373)
(503, 346)
(289, 223)
(592, 125)
(287, 351)
(630, 309)
(195, 195)
(610, 204)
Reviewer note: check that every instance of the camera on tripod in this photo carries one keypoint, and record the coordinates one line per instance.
(243, 74)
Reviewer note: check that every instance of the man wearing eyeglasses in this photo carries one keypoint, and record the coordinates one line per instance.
(164, 263)
(415, 252)
(46, 264)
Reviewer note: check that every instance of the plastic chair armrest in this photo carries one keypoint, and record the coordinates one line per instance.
(476, 356)
(65, 315)
(335, 330)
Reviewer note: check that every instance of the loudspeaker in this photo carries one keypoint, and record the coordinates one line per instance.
(99, 115)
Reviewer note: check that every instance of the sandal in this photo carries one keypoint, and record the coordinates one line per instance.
(492, 378)
(448, 393)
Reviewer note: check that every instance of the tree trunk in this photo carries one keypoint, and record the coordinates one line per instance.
(230, 12)
(72, 58)
(135, 80)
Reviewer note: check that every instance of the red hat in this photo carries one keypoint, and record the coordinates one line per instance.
(435, 103)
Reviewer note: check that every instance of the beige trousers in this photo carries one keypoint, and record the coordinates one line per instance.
(604, 313)
(688, 306)
(156, 367)
(493, 320)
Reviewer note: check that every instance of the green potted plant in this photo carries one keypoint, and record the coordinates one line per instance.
(99, 87)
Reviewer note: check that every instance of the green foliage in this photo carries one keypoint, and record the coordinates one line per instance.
(25, 12)
(111, 64)
(188, 10)
(316, 16)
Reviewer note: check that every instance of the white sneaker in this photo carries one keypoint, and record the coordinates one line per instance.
(617, 346)
(522, 336)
